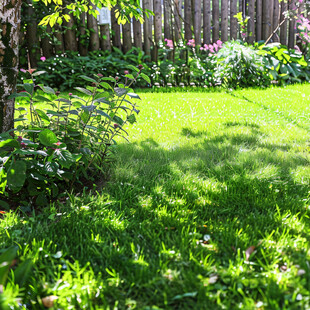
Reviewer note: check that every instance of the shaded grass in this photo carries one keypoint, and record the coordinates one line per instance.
(205, 177)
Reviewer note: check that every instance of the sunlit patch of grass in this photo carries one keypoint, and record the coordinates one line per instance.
(206, 177)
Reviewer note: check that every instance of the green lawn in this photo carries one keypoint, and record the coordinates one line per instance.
(207, 208)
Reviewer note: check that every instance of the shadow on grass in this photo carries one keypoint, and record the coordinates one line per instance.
(170, 218)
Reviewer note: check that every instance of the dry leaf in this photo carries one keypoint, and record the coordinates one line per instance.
(48, 301)
(249, 251)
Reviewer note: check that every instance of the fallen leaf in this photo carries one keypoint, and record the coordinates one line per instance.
(248, 252)
(48, 301)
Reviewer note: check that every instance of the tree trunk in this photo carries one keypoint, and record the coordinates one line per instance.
(157, 26)
(137, 33)
(82, 43)
(251, 22)
(259, 20)
(127, 38)
(10, 19)
(70, 35)
(216, 19)
(206, 21)
(188, 19)
(147, 28)
(233, 20)
(283, 28)
(31, 35)
(116, 30)
(105, 40)
(197, 22)
(224, 20)
(92, 26)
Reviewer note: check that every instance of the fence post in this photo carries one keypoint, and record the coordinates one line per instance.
(233, 20)
(127, 38)
(157, 26)
(116, 30)
(259, 19)
(216, 18)
(147, 28)
(137, 33)
(206, 21)
(283, 28)
(177, 21)
(188, 19)
(197, 22)
(251, 22)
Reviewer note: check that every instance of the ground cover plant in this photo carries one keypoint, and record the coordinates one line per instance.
(206, 208)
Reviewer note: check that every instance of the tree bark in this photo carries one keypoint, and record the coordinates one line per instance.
(31, 35)
(59, 47)
(46, 44)
(216, 19)
(206, 21)
(233, 20)
(10, 19)
(177, 20)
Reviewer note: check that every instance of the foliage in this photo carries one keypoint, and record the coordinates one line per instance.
(65, 70)
(240, 66)
(243, 25)
(286, 66)
(55, 148)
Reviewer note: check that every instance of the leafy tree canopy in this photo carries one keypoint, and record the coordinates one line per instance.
(124, 10)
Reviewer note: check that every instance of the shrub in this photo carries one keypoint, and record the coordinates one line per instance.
(53, 149)
(240, 66)
(285, 65)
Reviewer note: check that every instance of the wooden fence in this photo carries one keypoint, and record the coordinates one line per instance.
(206, 21)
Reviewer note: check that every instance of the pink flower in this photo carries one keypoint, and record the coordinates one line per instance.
(99, 75)
(191, 43)
(201, 48)
(23, 70)
(126, 72)
(70, 94)
(215, 47)
(296, 47)
(43, 58)
(243, 34)
(57, 143)
(169, 44)
(219, 43)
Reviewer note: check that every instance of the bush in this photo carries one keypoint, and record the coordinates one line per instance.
(240, 66)
(285, 65)
(54, 149)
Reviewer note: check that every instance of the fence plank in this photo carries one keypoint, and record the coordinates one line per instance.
(266, 13)
(167, 20)
(276, 20)
(188, 19)
(82, 43)
(224, 20)
(137, 33)
(127, 38)
(105, 40)
(233, 20)
(147, 28)
(116, 30)
(177, 20)
(206, 21)
(157, 25)
(283, 28)
(251, 22)
(70, 35)
(259, 19)
(92, 26)
(216, 17)
(197, 22)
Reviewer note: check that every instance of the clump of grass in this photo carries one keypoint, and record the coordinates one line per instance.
(206, 208)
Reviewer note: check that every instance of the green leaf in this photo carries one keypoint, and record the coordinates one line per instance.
(118, 120)
(103, 114)
(47, 89)
(38, 73)
(145, 77)
(39, 98)
(120, 91)
(130, 76)
(23, 272)
(6, 260)
(47, 137)
(16, 175)
(84, 116)
(132, 95)
(84, 91)
(10, 143)
(86, 78)
(16, 95)
(42, 115)
(106, 85)
(65, 158)
(131, 118)
(29, 87)
(133, 68)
